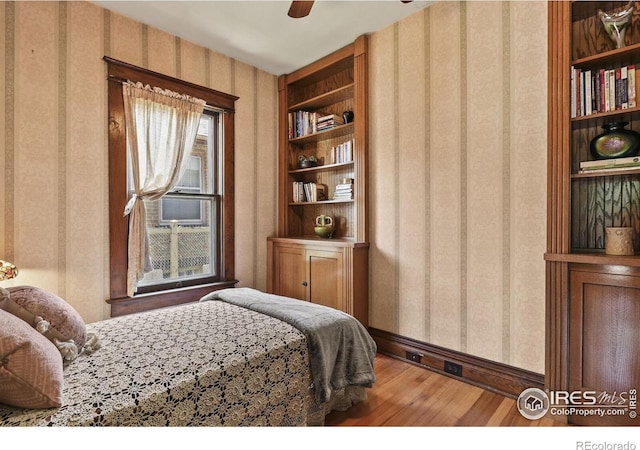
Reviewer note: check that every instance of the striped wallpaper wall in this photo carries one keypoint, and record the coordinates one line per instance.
(53, 159)
(457, 176)
(457, 163)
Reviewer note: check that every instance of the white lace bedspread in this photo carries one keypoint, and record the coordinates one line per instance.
(203, 364)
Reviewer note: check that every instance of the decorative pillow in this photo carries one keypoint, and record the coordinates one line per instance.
(50, 315)
(30, 369)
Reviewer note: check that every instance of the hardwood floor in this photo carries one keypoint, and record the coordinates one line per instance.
(408, 395)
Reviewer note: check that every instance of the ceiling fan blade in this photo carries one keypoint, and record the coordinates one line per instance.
(300, 8)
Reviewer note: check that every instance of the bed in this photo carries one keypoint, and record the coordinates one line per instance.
(227, 360)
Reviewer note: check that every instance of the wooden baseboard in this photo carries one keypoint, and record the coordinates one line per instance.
(496, 377)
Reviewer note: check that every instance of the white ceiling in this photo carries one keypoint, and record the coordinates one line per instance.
(260, 33)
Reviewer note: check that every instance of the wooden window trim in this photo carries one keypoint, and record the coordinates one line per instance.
(117, 72)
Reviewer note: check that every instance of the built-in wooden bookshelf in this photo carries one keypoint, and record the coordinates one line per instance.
(328, 87)
(593, 299)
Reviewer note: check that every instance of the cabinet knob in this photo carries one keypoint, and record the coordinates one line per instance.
(304, 283)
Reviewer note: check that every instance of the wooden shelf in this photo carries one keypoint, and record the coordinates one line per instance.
(322, 168)
(322, 202)
(312, 239)
(594, 257)
(617, 112)
(616, 56)
(326, 99)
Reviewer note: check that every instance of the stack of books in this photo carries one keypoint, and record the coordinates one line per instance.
(308, 192)
(610, 165)
(327, 122)
(344, 190)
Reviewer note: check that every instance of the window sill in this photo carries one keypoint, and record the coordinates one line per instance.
(173, 297)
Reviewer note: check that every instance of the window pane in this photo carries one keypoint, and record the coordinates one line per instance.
(186, 210)
(206, 149)
(191, 178)
(178, 251)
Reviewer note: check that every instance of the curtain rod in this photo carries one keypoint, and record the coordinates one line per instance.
(116, 79)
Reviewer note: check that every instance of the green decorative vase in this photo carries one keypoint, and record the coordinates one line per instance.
(324, 226)
(615, 142)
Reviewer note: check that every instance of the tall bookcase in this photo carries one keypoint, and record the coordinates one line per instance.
(593, 299)
(330, 271)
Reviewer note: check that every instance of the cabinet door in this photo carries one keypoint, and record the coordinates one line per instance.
(289, 272)
(325, 276)
(605, 342)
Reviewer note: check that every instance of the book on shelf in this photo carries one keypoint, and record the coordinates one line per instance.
(573, 99)
(618, 92)
(598, 86)
(343, 196)
(587, 93)
(631, 162)
(624, 87)
(612, 90)
(308, 192)
(605, 91)
(631, 76)
(327, 125)
(580, 93)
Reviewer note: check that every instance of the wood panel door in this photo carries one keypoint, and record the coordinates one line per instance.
(289, 272)
(325, 272)
(605, 343)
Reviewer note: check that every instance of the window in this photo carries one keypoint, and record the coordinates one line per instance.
(184, 246)
(191, 227)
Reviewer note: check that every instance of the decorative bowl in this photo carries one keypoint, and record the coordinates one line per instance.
(306, 163)
(324, 232)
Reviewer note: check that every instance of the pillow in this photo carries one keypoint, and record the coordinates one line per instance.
(50, 315)
(31, 368)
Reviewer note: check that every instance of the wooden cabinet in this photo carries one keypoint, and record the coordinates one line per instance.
(329, 271)
(592, 305)
(604, 339)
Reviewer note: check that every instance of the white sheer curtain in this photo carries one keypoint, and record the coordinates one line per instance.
(161, 130)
